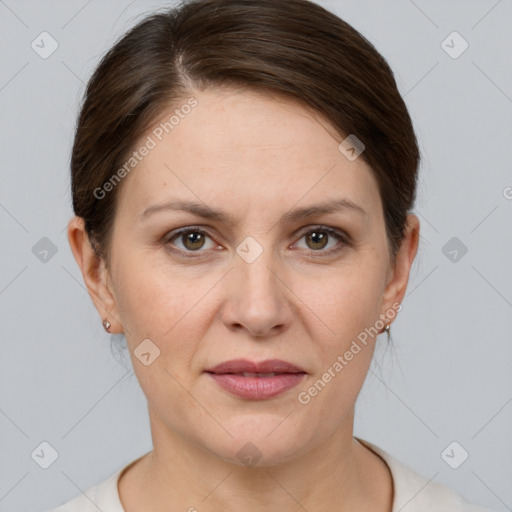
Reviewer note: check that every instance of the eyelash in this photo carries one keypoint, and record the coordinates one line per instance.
(340, 235)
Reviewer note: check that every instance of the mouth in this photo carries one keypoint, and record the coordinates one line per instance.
(256, 381)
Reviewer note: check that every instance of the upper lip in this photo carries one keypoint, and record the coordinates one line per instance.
(246, 366)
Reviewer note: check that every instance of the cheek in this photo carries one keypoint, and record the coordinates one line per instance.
(164, 307)
(150, 298)
(347, 301)
(345, 308)
(167, 305)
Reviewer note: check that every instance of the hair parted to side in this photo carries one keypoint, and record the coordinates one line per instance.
(294, 48)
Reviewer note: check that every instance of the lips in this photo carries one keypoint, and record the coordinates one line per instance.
(246, 368)
(256, 381)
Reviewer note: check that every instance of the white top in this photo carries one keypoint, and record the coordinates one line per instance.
(410, 488)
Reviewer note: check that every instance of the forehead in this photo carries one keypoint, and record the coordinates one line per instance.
(245, 145)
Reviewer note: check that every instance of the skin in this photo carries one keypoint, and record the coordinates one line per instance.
(256, 157)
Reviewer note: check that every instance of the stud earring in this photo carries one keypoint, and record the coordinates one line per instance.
(106, 325)
(387, 330)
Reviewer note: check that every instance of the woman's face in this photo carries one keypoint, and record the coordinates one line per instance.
(262, 283)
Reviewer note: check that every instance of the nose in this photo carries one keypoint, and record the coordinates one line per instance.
(257, 297)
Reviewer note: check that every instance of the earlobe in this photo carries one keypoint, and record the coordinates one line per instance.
(95, 275)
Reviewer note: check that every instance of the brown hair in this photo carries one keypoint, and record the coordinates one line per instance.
(290, 47)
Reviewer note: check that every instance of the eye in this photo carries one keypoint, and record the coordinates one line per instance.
(192, 239)
(319, 237)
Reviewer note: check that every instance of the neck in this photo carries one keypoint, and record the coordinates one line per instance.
(180, 474)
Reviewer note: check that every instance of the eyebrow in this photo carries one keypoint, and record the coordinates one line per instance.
(201, 210)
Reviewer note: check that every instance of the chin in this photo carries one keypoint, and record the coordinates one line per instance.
(261, 441)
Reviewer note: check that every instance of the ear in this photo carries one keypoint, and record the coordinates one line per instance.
(399, 274)
(95, 274)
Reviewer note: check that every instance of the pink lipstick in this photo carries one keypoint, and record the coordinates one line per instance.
(256, 381)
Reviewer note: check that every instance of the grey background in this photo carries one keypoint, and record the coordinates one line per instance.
(448, 377)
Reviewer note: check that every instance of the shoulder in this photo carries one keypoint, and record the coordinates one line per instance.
(415, 493)
(103, 496)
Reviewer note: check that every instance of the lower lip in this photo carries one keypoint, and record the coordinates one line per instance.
(257, 388)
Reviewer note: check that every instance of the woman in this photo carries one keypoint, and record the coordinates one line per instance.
(242, 177)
